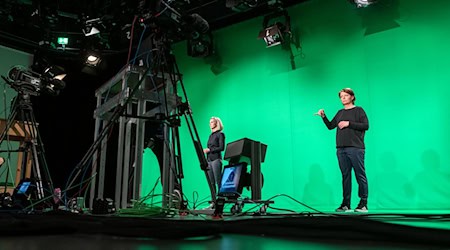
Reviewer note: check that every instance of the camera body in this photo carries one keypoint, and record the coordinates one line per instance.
(29, 82)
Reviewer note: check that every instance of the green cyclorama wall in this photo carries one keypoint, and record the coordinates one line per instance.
(395, 57)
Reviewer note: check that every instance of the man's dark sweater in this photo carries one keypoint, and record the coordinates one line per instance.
(353, 135)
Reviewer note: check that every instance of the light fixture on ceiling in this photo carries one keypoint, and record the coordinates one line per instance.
(47, 68)
(241, 5)
(54, 72)
(200, 45)
(274, 34)
(54, 76)
(89, 31)
(92, 27)
(363, 3)
(93, 62)
(93, 59)
(199, 41)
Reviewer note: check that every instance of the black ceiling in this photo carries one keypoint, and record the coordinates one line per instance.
(29, 25)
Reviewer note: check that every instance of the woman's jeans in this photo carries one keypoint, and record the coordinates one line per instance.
(215, 173)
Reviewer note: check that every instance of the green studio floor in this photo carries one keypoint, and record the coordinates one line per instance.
(383, 229)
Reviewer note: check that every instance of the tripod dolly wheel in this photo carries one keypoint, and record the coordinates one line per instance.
(263, 209)
(236, 208)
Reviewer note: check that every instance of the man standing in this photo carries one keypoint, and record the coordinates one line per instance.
(352, 124)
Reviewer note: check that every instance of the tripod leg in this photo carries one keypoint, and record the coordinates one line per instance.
(167, 170)
(179, 175)
(33, 148)
(39, 148)
(29, 125)
(11, 120)
(37, 171)
(20, 163)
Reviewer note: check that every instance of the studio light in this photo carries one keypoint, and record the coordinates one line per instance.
(273, 34)
(89, 31)
(199, 39)
(93, 60)
(195, 23)
(54, 73)
(200, 45)
(199, 48)
(92, 27)
(241, 5)
(53, 79)
(363, 3)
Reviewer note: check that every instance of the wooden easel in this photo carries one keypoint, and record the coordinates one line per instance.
(19, 132)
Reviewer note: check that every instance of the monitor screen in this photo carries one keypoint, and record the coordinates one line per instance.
(231, 180)
(24, 187)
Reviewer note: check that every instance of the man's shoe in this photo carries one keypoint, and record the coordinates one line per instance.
(362, 209)
(343, 208)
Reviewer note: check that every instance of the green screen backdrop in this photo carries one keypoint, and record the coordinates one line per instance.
(394, 55)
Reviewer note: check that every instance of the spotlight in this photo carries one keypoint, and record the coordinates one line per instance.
(200, 45)
(89, 31)
(196, 23)
(200, 40)
(198, 48)
(54, 73)
(53, 77)
(274, 34)
(92, 27)
(363, 3)
(241, 5)
(93, 60)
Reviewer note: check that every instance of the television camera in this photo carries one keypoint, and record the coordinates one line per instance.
(29, 82)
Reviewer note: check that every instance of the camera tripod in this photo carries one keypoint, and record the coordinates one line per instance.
(22, 116)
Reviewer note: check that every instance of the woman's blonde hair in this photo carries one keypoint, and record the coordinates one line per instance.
(219, 123)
